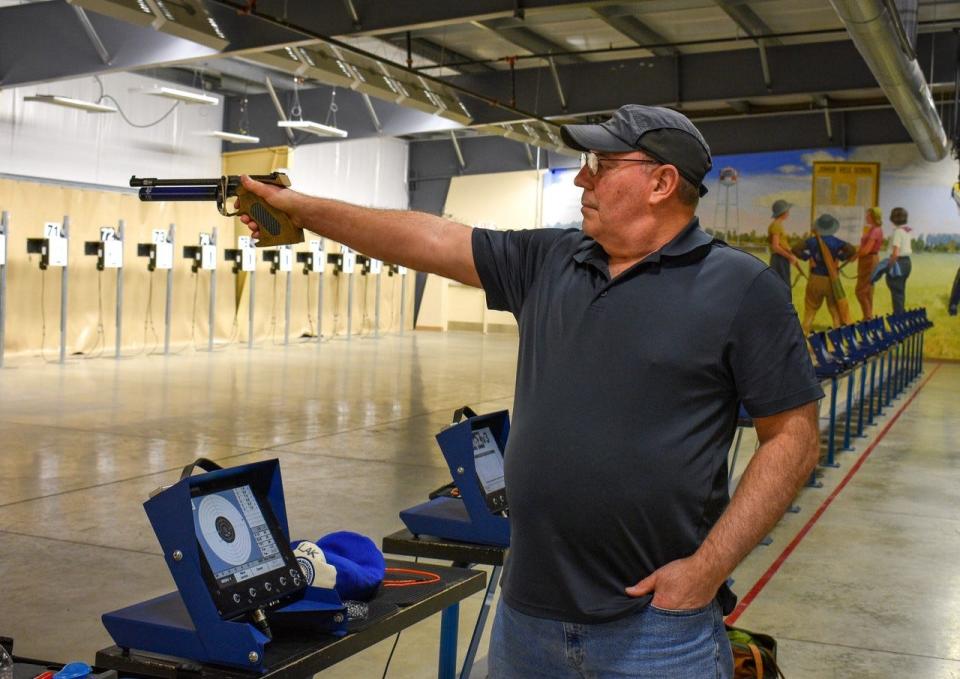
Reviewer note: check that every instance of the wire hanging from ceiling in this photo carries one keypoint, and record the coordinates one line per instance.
(106, 97)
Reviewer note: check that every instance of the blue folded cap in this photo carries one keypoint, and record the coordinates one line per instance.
(360, 565)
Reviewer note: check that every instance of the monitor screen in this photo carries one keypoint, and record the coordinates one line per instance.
(488, 460)
(234, 535)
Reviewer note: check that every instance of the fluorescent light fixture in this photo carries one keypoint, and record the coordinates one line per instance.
(313, 128)
(87, 106)
(184, 95)
(235, 137)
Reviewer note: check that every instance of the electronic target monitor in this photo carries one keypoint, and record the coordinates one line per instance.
(246, 562)
(488, 461)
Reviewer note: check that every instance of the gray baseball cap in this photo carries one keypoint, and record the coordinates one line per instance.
(663, 133)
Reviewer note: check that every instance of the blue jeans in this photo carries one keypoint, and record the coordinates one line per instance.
(649, 644)
(898, 285)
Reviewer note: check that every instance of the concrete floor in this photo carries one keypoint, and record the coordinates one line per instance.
(872, 590)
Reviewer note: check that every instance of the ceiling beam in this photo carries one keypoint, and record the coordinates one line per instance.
(631, 27)
(517, 32)
(594, 87)
(747, 19)
(331, 17)
(438, 54)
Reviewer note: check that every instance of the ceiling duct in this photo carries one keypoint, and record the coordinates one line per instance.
(875, 29)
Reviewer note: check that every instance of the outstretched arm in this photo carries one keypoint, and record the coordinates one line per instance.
(414, 239)
(789, 448)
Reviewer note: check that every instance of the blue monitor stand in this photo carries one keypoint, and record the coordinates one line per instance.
(473, 448)
(225, 538)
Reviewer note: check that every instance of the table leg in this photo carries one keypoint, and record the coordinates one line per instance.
(481, 623)
(449, 620)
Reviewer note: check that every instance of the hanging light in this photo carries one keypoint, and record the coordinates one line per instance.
(69, 102)
(320, 129)
(310, 126)
(184, 96)
(235, 137)
(241, 136)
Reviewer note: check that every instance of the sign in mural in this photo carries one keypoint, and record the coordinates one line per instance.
(845, 190)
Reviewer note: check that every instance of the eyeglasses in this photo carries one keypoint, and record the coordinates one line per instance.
(592, 161)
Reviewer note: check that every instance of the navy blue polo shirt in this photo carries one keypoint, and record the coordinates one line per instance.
(626, 404)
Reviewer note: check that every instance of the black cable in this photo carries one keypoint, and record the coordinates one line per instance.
(273, 313)
(386, 668)
(149, 319)
(193, 317)
(43, 315)
(336, 304)
(123, 115)
(309, 313)
(396, 640)
(101, 334)
(365, 314)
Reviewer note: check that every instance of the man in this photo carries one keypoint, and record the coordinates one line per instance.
(824, 248)
(781, 259)
(868, 256)
(898, 266)
(639, 336)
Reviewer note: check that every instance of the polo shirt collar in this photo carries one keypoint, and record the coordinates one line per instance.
(685, 242)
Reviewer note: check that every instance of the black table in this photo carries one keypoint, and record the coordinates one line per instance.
(297, 659)
(461, 555)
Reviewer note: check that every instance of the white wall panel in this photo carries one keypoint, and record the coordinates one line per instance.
(52, 142)
(371, 172)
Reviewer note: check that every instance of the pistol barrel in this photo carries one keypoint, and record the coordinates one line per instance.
(153, 181)
(180, 193)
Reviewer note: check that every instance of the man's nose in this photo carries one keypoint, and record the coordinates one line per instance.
(583, 178)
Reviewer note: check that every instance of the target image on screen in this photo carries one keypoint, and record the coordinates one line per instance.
(234, 536)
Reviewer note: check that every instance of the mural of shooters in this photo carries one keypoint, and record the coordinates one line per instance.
(764, 178)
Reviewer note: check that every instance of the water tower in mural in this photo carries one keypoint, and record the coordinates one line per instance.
(727, 201)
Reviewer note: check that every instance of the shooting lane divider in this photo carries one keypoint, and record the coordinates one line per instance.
(764, 579)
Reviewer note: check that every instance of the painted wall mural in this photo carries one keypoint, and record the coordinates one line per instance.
(742, 189)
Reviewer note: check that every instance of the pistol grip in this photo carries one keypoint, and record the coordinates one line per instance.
(275, 226)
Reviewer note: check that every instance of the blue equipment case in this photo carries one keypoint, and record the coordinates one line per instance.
(186, 623)
(468, 519)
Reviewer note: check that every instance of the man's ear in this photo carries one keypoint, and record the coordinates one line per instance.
(666, 183)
